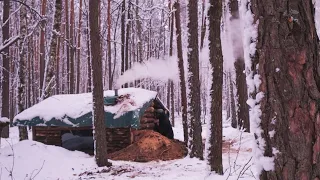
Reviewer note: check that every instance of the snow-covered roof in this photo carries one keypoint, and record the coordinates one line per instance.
(76, 105)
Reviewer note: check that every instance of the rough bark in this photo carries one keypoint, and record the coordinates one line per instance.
(50, 75)
(23, 133)
(233, 114)
(97, 92)
(194, 82)
(288, 57)
(5, 106)
(181, 73)
(241, 84)
(216, 61)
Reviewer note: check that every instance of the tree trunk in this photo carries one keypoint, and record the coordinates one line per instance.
(203, 25)
(181, 73)
(89, 68)
(123, 19)
(216, 60)
(170, 84)
(23, 133)
(242, 94)
(233, 114)
(66, 5)
(50, 75)
(109, 46)
(78, 49)
(42, 45)
(5, 106)
(97, 93)
(58, 66)
(72, 49)
(287, 53)
(194, 82)
(126, 59)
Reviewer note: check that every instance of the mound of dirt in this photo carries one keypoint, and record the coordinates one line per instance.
(149, 146)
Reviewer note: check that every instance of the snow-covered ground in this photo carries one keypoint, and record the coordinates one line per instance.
(33, 160)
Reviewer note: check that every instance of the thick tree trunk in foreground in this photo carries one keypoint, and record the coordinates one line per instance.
(194, 82)
(242, 94)
(216, 60)
(50, 76)
(287, 54)
(181, 73)
(5, 68)
(97, 92)
(23, 133)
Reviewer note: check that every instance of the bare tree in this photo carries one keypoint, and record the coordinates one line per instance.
(242, 94)
(233, 113)
(109, 45)
(181, 73)
(67, 36)
(23, 133)
(72, 49)
(42, 45)
(97, 93)
(79, 48)
(194, 82)
(5, 106)
(50, 77)
(216, 60)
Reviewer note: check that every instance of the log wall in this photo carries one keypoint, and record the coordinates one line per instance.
(117, 138)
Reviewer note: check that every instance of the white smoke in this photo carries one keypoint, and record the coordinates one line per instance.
(236, 32)
(157, 69)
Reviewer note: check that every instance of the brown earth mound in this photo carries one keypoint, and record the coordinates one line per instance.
(149, 146)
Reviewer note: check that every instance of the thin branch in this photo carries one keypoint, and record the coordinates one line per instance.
(38, 170)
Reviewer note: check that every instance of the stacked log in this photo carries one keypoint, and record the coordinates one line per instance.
(118, 138)
(148, 119)
(47, 135)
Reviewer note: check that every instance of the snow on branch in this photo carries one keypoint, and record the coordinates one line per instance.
(9, 42)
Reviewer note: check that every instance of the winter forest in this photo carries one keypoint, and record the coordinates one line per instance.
(160, 89)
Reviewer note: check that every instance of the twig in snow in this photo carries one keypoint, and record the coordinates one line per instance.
(11, 171)
(243, 169)
(238, 151)
(37, 172)
(229, 162)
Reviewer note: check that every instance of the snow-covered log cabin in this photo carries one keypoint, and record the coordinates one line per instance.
(66, 120)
